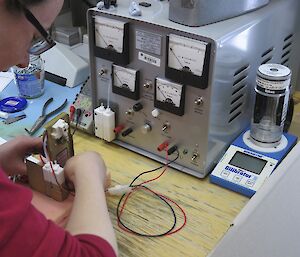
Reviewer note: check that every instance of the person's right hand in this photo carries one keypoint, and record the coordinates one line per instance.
(89, 213)
(87, 166)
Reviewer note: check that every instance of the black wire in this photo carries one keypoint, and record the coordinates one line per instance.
(148, 235)
(161, 198)
(75, 129)
(78, 114)
(149, 171)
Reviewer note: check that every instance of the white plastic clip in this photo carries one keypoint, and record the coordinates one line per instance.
(53, 178)
(119, 189)
(60, 129)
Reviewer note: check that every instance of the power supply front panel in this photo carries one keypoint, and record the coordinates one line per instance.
(156, 86)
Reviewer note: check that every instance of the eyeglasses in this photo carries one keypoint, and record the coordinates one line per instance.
(43, 44)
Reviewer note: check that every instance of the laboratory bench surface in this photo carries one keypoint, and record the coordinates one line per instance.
(210, 209)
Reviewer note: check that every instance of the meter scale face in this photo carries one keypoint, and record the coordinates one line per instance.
(125, 82)
(169, 96)
(112, 40)
(109, 34)
(186, 54)
(187, 61)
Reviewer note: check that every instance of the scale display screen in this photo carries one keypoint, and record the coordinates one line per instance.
(245, 167)
(247, 162)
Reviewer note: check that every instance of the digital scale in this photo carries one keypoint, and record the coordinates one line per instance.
(245, 166)
(253, 156)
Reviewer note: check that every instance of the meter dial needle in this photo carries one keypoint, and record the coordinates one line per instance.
(102, 37)
(124, 85)
(110, 47)
(118, 78)
(162, 92)
(171, 49)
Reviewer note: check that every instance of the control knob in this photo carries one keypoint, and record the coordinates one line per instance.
(155, 113)
(146, 128)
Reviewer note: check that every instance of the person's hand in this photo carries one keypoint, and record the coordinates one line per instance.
(13, 153)
(84, 167)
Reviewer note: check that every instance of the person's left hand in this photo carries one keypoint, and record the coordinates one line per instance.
(13, 153)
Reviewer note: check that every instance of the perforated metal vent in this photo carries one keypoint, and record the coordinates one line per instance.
(286, 50)
(238, 93)
(267, 55)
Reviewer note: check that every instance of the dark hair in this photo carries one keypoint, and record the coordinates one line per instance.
(15, 6)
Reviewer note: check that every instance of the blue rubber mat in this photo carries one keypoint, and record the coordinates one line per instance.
(34, 107)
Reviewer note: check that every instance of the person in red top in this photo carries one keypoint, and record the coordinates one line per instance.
(24, 231)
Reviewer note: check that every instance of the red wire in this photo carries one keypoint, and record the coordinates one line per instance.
(145, 182)
(121, 211)
(41, 159)
(165, 168)
(127, 196)
(139, 186)
(163, 196)
(183, 212)
(52, 167)
(181, 209)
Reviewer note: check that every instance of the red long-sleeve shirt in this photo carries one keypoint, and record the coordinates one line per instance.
(25, 232)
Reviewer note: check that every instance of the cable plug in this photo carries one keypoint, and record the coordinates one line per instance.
(60, 129)
(78, 114)
(119, 190)
(72, 112)
(163, 146)
(53, 173)
(172, 149)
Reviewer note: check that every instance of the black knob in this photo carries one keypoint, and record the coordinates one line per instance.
(127, 132)
(137, 107)
(172, 149)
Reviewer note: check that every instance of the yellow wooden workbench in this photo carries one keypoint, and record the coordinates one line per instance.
(210, 209)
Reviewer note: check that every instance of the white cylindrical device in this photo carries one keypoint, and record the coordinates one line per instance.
(108, 125)
(98, 118)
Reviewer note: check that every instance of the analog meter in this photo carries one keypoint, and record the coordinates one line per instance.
(186, 60)
(109, 34)
(169, 96)
(126, 82)
(112, 39)
(186, 54)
